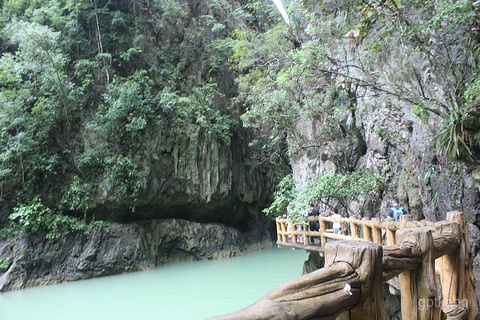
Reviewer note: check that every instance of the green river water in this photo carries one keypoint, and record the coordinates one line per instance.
(191, 290)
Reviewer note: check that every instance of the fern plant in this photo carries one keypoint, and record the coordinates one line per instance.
(455, 140)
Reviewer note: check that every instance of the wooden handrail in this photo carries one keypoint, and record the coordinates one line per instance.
(355, 270)
(372, 230)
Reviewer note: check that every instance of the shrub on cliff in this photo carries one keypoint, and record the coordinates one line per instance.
(328, 190)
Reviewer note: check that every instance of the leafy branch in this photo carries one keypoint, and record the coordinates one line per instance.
(331, 190)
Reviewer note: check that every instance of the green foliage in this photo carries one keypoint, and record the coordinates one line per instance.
(220, 51)
(76, 196)
(5, 264)
(170, 9)
(199, 107)
(123, 177)
(128, 108)
(120, 176)
(287, 70)
(284, 195)
(35, 105)
(266, 85)
(454, 138)
(36, 218)
(472, 93)
(420, 111)
(130, 53)
(359, 186)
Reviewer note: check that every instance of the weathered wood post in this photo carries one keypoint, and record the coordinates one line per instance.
(367, 232)
(293, 229)
(419, 288)
(404, 219)
(284, 230)
(279, 228)
(344, 227)
(323, 229)
(305, 230)
(306, 233)
(353, 228)
(377, 232)
(366, 259)
(390, 230)
(458, 281)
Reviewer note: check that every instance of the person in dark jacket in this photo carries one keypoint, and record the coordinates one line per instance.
(314, 225)
(313, 212)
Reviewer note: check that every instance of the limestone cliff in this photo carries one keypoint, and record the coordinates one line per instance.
(399, 93)
(189, 168)
(33, 260)
(151, 142)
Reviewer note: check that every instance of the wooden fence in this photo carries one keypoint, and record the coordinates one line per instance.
(432, 261)
(372, 230)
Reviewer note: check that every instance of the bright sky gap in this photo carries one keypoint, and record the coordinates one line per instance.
(282, 10)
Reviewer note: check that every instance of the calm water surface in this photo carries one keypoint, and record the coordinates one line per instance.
(192, 290)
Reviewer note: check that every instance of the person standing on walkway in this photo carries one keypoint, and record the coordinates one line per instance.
(396, 210)
(337, 226)
(313, 212)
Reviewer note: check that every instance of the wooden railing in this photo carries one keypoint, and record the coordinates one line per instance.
(372, 230)
(350, 284)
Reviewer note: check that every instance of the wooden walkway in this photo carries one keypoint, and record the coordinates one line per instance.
(433, 263)
(371, 230)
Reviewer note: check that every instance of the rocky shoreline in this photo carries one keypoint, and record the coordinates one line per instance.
(33, 260)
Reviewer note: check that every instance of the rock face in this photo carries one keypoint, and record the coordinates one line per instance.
(428, 186)
(34, 260)
(382, 130)
(189, 172)
(199, 195)
(389, 139)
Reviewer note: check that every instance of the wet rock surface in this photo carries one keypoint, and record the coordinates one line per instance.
(33, 260)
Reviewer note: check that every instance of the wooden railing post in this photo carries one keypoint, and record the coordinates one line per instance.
(377, 231)
(292, 227)
(458, 281)
(305, 229)
(390, 224)
(279, 228)
(419, 288)
(366, 260)
(404, 219)
(367, 232)
(343, 226)
(323, 229)
(353, 228)
(284, 230)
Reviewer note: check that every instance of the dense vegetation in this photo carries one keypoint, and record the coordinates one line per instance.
(335, 54)
(83, 83)
(338, 57)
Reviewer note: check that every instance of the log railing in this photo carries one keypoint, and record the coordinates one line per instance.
(372, 230)
(350, 284)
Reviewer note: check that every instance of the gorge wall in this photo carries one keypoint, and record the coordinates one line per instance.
(152, 130)
(34, 260)
(398, 98)
(150, 121)
(148, 138)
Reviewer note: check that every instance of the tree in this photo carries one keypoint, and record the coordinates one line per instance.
(38, 104)
(357, 50)
(329, 190)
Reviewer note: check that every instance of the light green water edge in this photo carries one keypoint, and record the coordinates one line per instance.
(191, 290)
